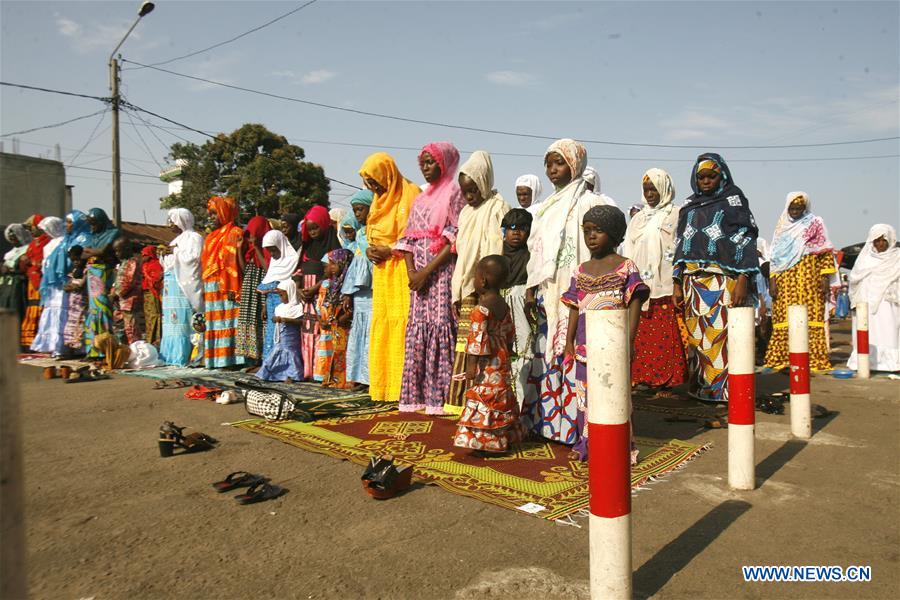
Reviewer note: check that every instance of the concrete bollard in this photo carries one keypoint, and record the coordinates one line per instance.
(798, 346)
(862, 340)
(741, 399)
(609, 453)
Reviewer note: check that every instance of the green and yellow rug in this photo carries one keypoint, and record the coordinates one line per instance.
(540, 478)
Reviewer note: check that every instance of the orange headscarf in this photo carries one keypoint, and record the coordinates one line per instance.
(390, 210)
(220, 250)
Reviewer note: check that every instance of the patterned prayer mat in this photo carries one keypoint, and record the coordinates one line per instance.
(540, 478)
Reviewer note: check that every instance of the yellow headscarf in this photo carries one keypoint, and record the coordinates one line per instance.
(390, 210)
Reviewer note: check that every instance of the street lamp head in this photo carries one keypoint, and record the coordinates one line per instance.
(146, 9)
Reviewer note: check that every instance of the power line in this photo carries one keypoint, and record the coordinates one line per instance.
(499, 131)
(228, 41)
(212, 136)
(110, 171)
(140, 137)
(107, 180)
(60, 124)
(90, 139)
(101, 154)
(64, 93)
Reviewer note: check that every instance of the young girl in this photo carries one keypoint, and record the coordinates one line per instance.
(605, 282)
(281, 268)
(334, 322)
(74, 332)
(478, 236)
(284, 362)
(152, 286)
(490, 420)
(516, 227)
(319, 238)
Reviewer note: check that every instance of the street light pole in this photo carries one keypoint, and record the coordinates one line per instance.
(146, 9)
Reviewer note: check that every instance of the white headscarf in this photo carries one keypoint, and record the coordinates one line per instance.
(184, 260)
(592, 177)
(765, 253)
(56, 229)
(479, 232)
(650, 239)
(533, 183)
(283, 267)
(292, 309)
(23, 238)
(337, 215)
(876, 275)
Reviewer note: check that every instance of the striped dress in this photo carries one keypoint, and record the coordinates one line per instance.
(221, 328)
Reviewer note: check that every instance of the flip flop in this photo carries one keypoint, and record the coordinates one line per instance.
(81, 376)
(201, 392)
(236, 480)
(259, 492)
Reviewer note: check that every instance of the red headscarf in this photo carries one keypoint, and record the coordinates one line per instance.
(219, 257)
(318, 215)
(257, 227)
(35, 252)
(152, 271)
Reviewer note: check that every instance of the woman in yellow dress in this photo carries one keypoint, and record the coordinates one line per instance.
(801, 266)
(394, 195)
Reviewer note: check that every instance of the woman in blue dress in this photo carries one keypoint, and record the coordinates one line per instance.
(182, 288)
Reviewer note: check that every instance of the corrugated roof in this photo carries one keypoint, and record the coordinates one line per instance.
(148, 235)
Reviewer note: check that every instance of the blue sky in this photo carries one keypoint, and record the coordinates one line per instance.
(710, 74)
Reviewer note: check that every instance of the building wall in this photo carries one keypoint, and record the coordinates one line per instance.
(31, 185)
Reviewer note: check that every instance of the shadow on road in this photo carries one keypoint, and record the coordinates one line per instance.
(677, 554)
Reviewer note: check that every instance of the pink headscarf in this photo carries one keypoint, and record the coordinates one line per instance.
(438, 206)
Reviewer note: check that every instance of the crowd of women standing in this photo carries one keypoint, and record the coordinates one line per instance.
(398, 296)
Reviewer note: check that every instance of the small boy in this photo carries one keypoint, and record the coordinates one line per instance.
(127, 290)
(516, 227)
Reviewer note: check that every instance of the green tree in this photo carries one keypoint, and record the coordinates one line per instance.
(258, 168)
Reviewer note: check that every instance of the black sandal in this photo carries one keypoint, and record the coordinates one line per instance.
(170, 435)
(260, 491)
(236, 480)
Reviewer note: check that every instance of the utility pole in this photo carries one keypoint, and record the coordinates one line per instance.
(116, 167)
(146, 9)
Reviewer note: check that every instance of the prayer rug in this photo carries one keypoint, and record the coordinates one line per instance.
(538, 477)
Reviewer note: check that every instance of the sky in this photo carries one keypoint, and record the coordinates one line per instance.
(703, 74)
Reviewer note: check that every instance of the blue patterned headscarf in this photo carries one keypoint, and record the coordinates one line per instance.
(81, 230)
(107, 234)
(718, 229)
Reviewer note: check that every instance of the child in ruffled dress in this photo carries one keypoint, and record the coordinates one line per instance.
(607, 281)
(490, 421)
(334, 323)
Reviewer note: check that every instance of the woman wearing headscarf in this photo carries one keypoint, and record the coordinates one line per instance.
(100, 277)
(357, 290)
(249, 339)
(875, 279)
(152, 287)
(78, 236)
(223, 265)
(591, 179)
(528, 192)
(715, 265)
(34, 258)
(557, 247)
(182, 288)
(480, 234)
(290, 227)
(282, 266)
(12, 271)
(658, 360)
(319, 238)
(427, 249)
(347, 232)
(800, 270)
(387, 219)
(49, 337)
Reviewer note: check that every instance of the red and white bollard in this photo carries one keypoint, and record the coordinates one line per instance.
(798, 346)
(741, 399)
(862, 340)
(609, 452)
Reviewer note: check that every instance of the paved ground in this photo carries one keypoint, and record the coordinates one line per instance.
(108, 518)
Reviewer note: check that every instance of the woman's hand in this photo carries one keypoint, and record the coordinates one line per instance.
(378, 254)
(347, 303)
(678, 295)
(773, 288)
(825, 287)
(530, 307)
(739, 295)
(455, 308)
(418, 280)
(569, 352)
(232, 296)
